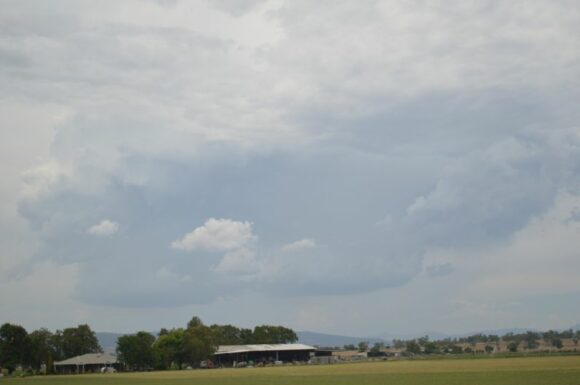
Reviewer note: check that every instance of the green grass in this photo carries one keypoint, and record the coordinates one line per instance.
(564, 370)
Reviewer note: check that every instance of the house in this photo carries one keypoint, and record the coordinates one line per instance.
(88, 363)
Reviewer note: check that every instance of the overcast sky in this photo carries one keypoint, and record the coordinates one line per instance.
(354, 167)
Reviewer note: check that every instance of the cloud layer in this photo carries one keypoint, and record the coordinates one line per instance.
(318, 156)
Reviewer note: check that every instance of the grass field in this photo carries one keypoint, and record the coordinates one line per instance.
(501, 371)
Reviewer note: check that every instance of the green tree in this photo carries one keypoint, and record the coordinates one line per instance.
(136, 350)
(198, 343)
(194, 322)
(493, 338)
(550, 335)
(376, 350)
(363, 346)
(56, 343)
(513, 346)
(227, 335)
(557, 343)
(377, 347)
(14, 346)
(531, 339)
(78, 341)
(266, 334)
(247, 336)
(431, 348)
(168, 349)
(42, 349)
(413, 347)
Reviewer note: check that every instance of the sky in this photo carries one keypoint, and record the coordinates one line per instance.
(363, 168)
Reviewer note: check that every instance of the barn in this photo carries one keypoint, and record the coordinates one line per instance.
(229, 355)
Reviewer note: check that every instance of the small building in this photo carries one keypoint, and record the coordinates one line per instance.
(228, 355)
(88, 363)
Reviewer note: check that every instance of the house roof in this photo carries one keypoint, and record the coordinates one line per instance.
(233, 349)
(90, 359)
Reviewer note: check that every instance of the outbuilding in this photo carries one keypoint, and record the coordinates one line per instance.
(229, 355)
(88, 363)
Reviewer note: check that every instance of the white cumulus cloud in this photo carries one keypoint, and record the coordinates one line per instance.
(104, 228)
(306, 243)
(240, 262)
(217, 235)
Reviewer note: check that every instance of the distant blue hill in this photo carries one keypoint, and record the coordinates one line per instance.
(331, 340)
(108, 341)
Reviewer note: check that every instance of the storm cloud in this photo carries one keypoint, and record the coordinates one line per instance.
(194, 155)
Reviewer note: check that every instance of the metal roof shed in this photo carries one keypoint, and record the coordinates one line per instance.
(90, 362)
(263, 353)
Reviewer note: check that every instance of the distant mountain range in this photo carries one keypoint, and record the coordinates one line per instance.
(108, 341)
(328, 340)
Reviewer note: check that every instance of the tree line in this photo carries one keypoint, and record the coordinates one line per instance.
(41, 348)
(529, 339)
(425, 345)
(182, 347)
(175, 348)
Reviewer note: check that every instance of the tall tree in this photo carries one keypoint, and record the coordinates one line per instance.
(168, 349)
(42, 349)
(267, 334)
(377, 347)
(247, 336)
(413, 347)
(14, 346)
(363, 346)
(194, 322)
(136, 350)
(78, 341)
(198, 341)
(226, 335)
(531, 339)
(431, 348)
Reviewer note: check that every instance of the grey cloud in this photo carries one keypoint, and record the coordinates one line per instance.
(457, 122)
(331, 193)
(12, 58)
(492, 193)
(235, 7)
(439, 270)
(173, 197)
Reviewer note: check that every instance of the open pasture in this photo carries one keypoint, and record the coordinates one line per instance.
(497, 371)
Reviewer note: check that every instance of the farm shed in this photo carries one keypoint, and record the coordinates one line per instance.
(87, 363)
(228, 354)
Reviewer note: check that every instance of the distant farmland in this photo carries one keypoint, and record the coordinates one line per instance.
(564, 370)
